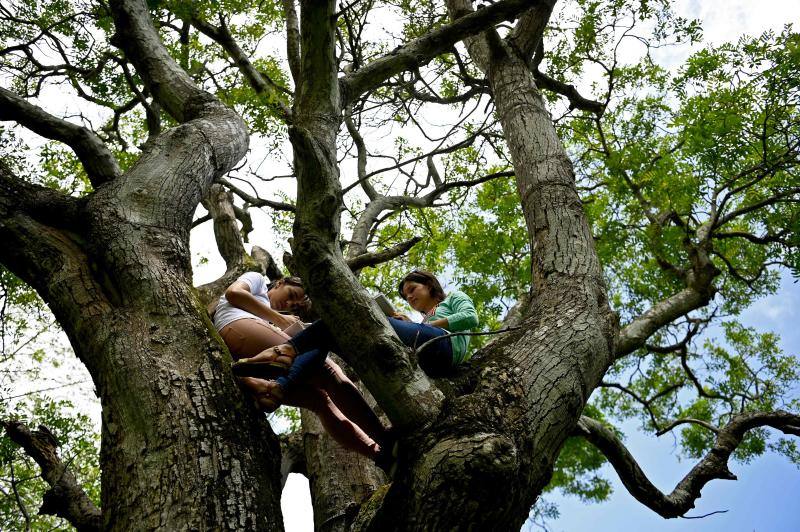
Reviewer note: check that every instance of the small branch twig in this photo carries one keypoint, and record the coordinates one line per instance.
(479, 333)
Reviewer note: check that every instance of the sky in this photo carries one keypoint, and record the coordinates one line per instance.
(765, 496)
(762, 499)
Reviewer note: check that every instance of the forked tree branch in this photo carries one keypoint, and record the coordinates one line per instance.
(164, 78)
(97, 160)
(65, 498)
(378, 257)
(714, 465)
(423, 49)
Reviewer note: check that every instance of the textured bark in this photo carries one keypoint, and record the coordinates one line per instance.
(482, 457)
(180, 449)
(489, 455)
(399, 385)
(340, 480)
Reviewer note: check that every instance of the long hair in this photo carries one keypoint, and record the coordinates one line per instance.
(425, 278)
(301, 308)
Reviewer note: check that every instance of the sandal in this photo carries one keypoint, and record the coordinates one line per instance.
(268, 364)
(269, 398)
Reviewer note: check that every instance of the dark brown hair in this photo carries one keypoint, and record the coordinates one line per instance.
(426, 278)
(301, 308)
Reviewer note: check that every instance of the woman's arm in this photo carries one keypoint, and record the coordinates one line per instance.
(442, 323)
(238, 294)
(463, 316)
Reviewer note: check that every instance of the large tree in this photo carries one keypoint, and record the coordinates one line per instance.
(695, 171)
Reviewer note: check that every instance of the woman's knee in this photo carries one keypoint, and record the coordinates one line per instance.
(310, 398)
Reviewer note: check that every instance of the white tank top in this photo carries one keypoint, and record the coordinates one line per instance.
(227, 313)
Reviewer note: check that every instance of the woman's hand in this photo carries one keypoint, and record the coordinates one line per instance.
(402, 317)
(442, 323)
(284, 321)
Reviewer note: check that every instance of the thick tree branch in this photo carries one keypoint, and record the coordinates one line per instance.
(167, 81)
(527, 34)
(100, 164)
(43, 204)
(178, 166)
(635, 334)
(372, 259)
(423, 49)
(292, 39)
(576, 100)
(65, 498)
(219, 204)
(714, 465)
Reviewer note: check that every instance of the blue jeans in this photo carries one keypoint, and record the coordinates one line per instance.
(313, 343)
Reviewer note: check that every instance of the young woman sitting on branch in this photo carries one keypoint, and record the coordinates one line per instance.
(249, 318)
(441, 354)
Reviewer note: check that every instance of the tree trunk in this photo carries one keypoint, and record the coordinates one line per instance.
(180, 448)
(487, 458)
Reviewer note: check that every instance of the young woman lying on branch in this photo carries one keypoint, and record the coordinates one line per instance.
(249, 319)
(302, 354)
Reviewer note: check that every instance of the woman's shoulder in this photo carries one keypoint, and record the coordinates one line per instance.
(456, 295)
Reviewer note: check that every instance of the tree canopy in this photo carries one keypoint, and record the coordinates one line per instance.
(614, 224)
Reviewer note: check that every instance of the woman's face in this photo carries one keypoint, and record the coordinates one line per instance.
(418, 296)
(283, 294)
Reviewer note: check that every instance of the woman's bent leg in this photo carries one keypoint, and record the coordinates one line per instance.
(437, 357)
(344, 431)
(303, 367)
(249, 336)
(348, 399)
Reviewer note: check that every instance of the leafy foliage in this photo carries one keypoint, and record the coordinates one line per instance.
(20, 479)
(698, 160)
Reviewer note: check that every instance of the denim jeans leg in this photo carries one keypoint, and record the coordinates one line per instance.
(303, 366)
(437, 357)
(315, 336)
